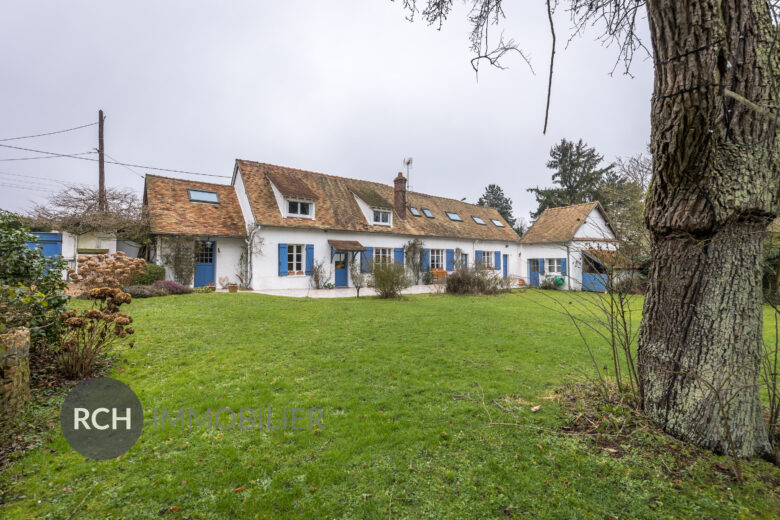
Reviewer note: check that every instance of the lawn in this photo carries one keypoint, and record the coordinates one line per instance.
(407, 390)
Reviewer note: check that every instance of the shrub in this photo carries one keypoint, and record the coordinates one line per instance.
(319, 274)
(172, 287)
(150, 274)
(41, 275)
(145, 291)
(548, 284)
(180, 257)
(389, 279)
(93, 332)
(427, 278)
(115, 270)
(473, 281)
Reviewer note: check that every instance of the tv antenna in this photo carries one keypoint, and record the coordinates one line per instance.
(408, 163)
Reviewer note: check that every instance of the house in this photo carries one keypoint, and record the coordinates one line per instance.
(286, 221)
(575, 245)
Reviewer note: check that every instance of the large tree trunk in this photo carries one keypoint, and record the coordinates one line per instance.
(714, 190)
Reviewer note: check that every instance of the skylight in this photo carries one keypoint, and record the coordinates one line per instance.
(415, 211)
(454, 216)
(427, 212)
(203, 196)
(497, 222)
(478, 220)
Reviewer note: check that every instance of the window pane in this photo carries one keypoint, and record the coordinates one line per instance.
(304, 208)
(203, 196)
(292, 207)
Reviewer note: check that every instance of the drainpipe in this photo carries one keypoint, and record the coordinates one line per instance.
(568, 269)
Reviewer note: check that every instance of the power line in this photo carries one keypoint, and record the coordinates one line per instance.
(29, 188)
(34, 177)
(115, 162)
(44, 157)
(49, 133)
(124, 166)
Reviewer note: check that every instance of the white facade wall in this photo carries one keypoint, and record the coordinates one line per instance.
(266, 263)
(227, 253)
(243, 198)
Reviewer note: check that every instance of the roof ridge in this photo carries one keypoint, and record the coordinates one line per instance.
(184, 180)
(362, 180)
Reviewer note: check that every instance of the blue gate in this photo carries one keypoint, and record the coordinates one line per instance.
(506, 269)
(594, 282)
(204, 263)
(51, 243)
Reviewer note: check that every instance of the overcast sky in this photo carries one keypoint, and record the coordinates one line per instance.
(348, 88)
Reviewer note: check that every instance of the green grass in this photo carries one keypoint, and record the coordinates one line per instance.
(405, 429)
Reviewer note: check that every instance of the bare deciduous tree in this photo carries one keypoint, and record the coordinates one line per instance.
(75, 210)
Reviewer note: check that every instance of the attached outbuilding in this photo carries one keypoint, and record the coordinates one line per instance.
(571, 245)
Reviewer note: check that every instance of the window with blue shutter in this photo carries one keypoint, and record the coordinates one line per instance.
(309, 258)
(450, 259)
(497, 263)
(366, 258)
(541, 266)
(282, 259)
(398, 255)
(563, 266)
(478, 259)
(426, 260)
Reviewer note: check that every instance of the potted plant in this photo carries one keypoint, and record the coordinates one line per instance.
(232, 287)
(212, 286)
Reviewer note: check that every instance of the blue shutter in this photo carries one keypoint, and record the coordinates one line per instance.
(426, 259)
(282, 259)
(478, 260)
(365, 260)
(497, 264)
(309, 258)
(563, 266)
(398, 255)
(541, 266)
(450, 259)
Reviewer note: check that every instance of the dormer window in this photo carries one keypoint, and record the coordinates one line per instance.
(203, 196)
(381, 217)
(497, 222)
(300, 208)
(454, 216)
(415, 211)
(478, 220)
(427, 212)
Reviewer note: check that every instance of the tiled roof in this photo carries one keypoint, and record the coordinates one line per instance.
(172, 212)
(559, 224)
(347, 245)
(336, 208)
(610, 258)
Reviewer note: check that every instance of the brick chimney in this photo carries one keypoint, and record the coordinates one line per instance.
(400, 196)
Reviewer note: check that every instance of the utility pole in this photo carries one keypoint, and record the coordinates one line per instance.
(102, 202)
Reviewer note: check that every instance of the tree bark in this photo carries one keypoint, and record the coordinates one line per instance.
(716, 167)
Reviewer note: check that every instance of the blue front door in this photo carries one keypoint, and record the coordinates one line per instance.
(533, 272)
(340, 269)
(506, 269)
(204, 263)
